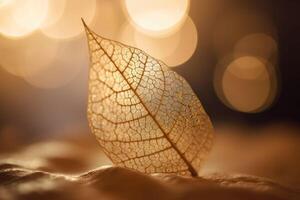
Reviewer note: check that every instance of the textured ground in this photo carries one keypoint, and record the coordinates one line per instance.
(68, 168)
(119, 183)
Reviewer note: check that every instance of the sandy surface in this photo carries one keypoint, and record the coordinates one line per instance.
(119, 183)
(261, 164)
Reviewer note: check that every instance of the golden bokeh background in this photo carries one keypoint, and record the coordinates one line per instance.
(239, 56)
(228, 51)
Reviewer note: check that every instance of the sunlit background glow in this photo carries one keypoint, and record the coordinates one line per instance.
(27, 56)
(109, 19)
(5, 2)
(246, 77)
(62, 69)
(37, 34)
(240, 58)
(43, 44)
(69, 24)
(247, 84)
(19, 18)
(156, 15)
(55, 12)
(258, 44)
(174, 50)
(247, 67)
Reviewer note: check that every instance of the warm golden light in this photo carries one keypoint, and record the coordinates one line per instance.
(27, 56)
(187, 45)
(62, 69)
(4, 2)
(109, 18)
(247, 67)
(159, 47)
(174, 49)
(55, 12)
(156, 15)
(244, 94)
(19, 18)
(69, 24)
(258, 44)
(247, 84)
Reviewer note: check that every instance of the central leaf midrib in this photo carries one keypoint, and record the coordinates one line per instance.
(190, 167)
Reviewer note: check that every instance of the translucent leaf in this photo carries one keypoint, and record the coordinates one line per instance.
(145, 116)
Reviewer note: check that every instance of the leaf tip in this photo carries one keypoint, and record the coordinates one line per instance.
(84, 24)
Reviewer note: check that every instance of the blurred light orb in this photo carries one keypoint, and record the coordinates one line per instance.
(187, 45)
(247, 67)
(69, 25)
(5, 2)
(108, 20)
(157, 15)
(20, 18)
(258, 44)
(55, 12)
(158, 47)
(174, 49)
(247, 84)
(27, 56)
(63, 69)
